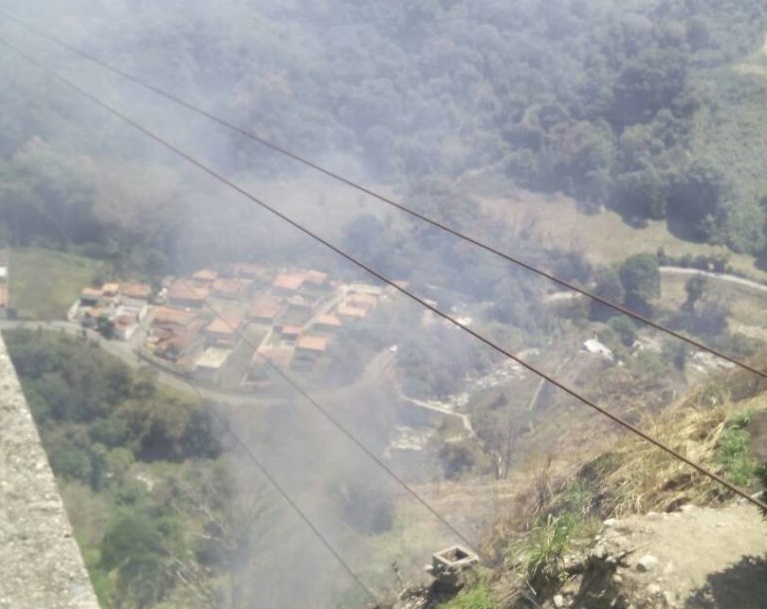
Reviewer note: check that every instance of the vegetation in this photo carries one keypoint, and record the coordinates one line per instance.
(733, 451)
(45, 283)
(615, 105)
(141, 471)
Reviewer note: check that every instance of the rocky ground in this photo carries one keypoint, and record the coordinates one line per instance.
(697, 558)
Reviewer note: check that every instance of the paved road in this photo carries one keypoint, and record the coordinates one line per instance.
(126, 352)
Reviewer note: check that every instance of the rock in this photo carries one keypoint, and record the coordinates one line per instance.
(646, 563)
(669, 598)
(610, 522)
(617, 579)
(559, 601)
(599, 552)
(689, 507)
(653, 589)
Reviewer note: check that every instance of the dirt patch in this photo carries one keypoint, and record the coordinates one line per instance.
(697, 558)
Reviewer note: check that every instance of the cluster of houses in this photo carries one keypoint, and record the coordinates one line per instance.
(197, 322)
(119, 306)
(290, 317)
(4, 261)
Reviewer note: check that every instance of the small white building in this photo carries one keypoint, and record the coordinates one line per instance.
(210, 363)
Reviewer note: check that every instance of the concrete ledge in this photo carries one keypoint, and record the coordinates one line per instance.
(40, 562)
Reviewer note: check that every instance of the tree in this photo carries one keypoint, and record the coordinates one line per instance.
(609, 287)
(695, 287)
(640, 278)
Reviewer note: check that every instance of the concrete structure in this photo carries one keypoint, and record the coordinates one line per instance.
(210, 363)
(452, 561)
(40, 562)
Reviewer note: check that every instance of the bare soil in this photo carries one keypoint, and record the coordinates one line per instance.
(698, 558)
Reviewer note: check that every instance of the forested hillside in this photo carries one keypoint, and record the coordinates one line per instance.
(614, 103)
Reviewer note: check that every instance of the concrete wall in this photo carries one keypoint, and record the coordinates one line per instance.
(40, 562)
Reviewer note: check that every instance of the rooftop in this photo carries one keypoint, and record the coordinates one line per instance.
(279, 357)
(289, 281)
(205, 275)
(313, 343)
(213, 358)
(140, 291)
(329, 320)
(231, 287)
(265, 306)
(167, 315)
(182, 290)
(226, 325)
(291, 330)
(316, 277)
(346, 310)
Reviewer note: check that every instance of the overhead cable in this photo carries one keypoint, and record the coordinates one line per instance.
(337, 424)
(389, 201)
(281, 490)
(390, 282)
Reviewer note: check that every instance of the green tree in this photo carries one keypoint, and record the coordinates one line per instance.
(609, 287)
(640, 278)
(695, 287)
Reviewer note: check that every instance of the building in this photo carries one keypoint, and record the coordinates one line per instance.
(166, 316)
(308, 350)
(210, 363)
(205, 277)
(328, 323)
(265, 310)
(223, 332)
(290, 334)
(138, 291)
(186, 295)
(287, 284)
(361, 300)
(231, 289)
(90, 297)
(348, 311)
(268, 358)
(110, 290)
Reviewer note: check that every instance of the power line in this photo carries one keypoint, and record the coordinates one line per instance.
(280, 489)
(388, 201)
(448, 318)
(338, 425)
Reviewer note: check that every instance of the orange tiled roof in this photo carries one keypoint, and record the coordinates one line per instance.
(313, 343)
(289, 281)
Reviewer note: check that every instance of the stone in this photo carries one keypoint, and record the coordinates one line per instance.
(610, 522)
(559, 601)
(653, 589)
(646, 563)
(41, 564)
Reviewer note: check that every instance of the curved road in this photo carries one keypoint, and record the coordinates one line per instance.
(677, 270)
(125, 352)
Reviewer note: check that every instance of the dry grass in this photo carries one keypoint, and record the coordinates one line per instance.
(645, 478)
(603, 237)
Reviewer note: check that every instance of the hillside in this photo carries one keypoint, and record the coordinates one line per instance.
(632, 527)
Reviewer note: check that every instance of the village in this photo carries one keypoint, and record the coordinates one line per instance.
(230, 327)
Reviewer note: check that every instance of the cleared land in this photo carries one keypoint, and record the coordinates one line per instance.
(44, 283)
(602, 237)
